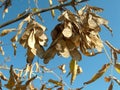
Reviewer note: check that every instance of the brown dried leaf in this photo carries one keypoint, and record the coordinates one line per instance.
(58, 83)
(67, 15)
(30, 56)
(75, 54)
(73, 69)
(43, 39)
(111, 86)
(3, 77)
(15, 38)
(11, 81)
(2, 51)
(7, 31)
(107, 79)
(39, 50)
(31, 40)
(49, 54)
(62, 68)
(15, 47)
(98, 74)
(37, 67)
(79, 70)
(117, 67)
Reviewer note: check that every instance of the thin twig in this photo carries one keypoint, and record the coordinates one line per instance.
(40, 11)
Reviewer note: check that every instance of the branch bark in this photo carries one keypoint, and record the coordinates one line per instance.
(40, 11)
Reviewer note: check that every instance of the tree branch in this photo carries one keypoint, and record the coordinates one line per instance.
(40, 11)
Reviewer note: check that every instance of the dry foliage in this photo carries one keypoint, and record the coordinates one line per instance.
(76, 34)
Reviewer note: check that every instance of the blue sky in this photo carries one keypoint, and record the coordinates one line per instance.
(90, 65)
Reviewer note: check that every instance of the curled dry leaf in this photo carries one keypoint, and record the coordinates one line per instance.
(7, 31)
(107, 79)
(30, 56)
(31, 40)
(62, 68)
(111, 86)
(11, 82)
(73, 69)
(49, 54)
(3, 77)
(98, 74)
(2, 51)
(117, 67)
(14, 47)
(58, 83)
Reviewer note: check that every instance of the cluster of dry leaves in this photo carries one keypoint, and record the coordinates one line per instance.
(76, 34)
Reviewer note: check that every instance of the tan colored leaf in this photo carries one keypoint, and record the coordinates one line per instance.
(15, 38)
(30, 56)
(62, 68)
(67, 32)
(11, 81)
(7, 31)
(79, 70)
(31, 40)
(67, 15)
(98, 74)
(50, 2)
(117, 67)
(111, 86)
(43, 39)
(3, 77)
(65, 53)
(39, 50)
(48, 55)
(73, 69)
(107, 79)
(37, 67)
(15, 47)
(75, 54)
(2, 51)
(58, 83)
(53, 13)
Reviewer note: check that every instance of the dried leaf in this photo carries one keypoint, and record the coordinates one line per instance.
(117, 67)
(111, 86)
(15, 47)
(3, 77)
(49, 54)
(6, 4)
(58, 83)
(43, 39)
(15, 38)
(53, 13)
(98, 74)
(39, 50)
(30, 56)
(67, 32)
(107, 79)
(31, 40)
(79, 70)
(11, 81)
(75, 54)
(37, 67)
(62, 68)
(7, 31)
(73, 69)
(2, 51)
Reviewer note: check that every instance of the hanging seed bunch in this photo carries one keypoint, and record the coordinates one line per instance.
(76, 34)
